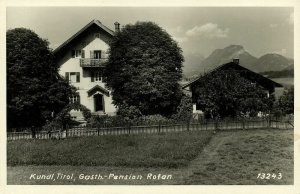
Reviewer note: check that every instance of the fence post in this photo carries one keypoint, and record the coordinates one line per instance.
(67, 129)
(129, 128)
(159, 126)
(188, 125)
(98, 131)
(243, 123)
(33, 132)
(216, 125)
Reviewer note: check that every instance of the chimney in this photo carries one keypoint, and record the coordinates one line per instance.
(117, 27)
(235, 61)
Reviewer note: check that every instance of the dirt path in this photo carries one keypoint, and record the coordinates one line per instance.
(206, 156)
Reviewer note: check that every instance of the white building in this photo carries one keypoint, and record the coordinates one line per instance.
(81, 59)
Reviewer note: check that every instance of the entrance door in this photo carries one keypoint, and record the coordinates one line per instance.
(98, 102)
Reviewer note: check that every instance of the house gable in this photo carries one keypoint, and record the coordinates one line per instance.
(244, 72)
(94, 27)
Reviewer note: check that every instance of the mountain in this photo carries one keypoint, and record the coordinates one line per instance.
(192, 64)
(271, 62)
(267, 62)
(221, 56)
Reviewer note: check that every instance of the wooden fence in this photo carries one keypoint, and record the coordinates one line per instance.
(154, 128)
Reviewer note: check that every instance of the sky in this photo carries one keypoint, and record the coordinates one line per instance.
(198, 30)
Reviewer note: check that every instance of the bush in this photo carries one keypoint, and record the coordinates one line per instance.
(184, 110)
(129, 112)
(63, 118)
(106, 121)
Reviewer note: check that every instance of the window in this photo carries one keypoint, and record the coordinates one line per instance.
(78, 53)
(96, 76)
(98, 54)
(75, 99)
(97, 35)
(73, 77)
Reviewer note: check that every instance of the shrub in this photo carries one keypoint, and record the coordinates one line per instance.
(63, 118)
(184, 110)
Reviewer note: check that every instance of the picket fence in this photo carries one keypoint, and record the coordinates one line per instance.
(214, 125)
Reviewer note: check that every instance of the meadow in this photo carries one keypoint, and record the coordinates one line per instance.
(230, 157)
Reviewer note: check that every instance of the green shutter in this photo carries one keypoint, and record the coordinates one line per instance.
(92, 76)
(67, 76)
(77, 76)
(82, 54)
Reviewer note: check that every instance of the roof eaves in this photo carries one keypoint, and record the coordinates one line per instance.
(97, 22)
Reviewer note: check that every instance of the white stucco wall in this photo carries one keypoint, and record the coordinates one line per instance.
(69, 64)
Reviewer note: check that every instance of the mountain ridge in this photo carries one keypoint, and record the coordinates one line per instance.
(267, 62)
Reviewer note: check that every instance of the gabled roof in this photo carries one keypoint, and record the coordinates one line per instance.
(244, 72)
(93, 22)
(96, 89)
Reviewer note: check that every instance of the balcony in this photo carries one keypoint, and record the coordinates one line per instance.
(92, 62)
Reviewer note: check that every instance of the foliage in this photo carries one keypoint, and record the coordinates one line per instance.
(286, 101)
(143, 70)
(128, 112)
(106, 121)
(184, 110)
(227, 94)
(34, 88)
(63, 117)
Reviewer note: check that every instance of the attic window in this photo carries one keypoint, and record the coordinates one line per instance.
(97, 35)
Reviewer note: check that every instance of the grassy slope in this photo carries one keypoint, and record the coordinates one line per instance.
(156, 150)
(237, 157)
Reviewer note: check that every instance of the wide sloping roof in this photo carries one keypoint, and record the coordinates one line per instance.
(234, 66)
(97, 22)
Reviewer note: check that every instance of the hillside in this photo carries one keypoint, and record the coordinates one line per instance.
(266, 63)
(271, 62)
(221, 56)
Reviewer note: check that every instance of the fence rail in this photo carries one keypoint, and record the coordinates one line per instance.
(153, 128)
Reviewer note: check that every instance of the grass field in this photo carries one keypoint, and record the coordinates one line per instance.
(231, 157)
(238, 158)
(157, 150)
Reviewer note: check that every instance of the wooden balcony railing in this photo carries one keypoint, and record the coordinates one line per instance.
(92, 62)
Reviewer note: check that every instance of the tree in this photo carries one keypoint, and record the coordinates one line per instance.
(34, 88)
(286, 101)
(143, 69)
(227, 94)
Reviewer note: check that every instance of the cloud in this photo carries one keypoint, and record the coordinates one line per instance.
(291, 18)
(180, 39)
(273, 25)
(209, 30)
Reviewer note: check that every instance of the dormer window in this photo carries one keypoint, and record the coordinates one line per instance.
(77, 53)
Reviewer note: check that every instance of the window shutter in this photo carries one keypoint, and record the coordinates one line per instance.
(78, 98)
(103, 55)
(92, 76)
(92, 54)
(82, 54)
(77, 76)
(73, 53)
(67, 76)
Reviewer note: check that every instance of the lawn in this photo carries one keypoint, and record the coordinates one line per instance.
(237, 157)
(229, 157)
(169, 150)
